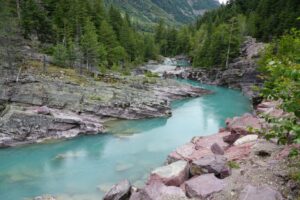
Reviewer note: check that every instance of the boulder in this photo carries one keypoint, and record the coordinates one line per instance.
(246, 139)
(188, 152)
(203, 186)
(263, 192)
(216, 149)
(120, 191)
(230, 139)
(159, 191)
(171, 175)
(211, 164)
(198, 147)
(239, 152)
(270, 108)
(241, 125)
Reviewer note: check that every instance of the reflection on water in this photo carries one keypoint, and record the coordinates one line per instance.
(84, 168)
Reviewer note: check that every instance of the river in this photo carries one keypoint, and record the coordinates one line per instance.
(82, 167)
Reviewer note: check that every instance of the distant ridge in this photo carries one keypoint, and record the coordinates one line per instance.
(172, 11)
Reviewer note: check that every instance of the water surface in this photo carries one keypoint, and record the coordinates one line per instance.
(83, 167)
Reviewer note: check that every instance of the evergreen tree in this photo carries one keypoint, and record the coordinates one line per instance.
(9, 36)
(115, 20)
(107, 35)
(89, 45)
(35, 21)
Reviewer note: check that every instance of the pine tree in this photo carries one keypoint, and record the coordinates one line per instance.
(9, 37)
(97, 12)
(115, 20)
(89, 45)
(107, 35)
(35, 21)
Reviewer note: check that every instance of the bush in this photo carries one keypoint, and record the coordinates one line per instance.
(281, 73)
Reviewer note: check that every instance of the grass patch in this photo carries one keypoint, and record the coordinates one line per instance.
(95, 98)
(233, 165)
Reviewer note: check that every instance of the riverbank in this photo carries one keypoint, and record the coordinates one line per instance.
(236, 163)
(60, 104)
(87, 166)
(241, 74)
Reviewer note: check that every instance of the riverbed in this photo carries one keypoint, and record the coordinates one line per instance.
(83, 168)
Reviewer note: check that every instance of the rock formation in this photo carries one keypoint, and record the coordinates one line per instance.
(36, 107)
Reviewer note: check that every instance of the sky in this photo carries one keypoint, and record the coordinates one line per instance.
(223, 1)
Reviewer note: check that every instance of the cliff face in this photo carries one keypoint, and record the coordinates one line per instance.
(173, 11)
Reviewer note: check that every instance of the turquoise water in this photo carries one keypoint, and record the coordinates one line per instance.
(84, 167)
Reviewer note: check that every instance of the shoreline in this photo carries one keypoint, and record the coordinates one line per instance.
(222, 161)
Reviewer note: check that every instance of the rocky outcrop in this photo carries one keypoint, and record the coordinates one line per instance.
(37, 107)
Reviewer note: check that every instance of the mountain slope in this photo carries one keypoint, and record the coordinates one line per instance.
(172, 11)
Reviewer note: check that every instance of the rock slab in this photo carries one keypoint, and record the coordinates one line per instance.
(203, 186)
(171, 175)
(159, 191)
(211, 164)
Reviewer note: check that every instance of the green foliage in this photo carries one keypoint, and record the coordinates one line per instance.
(281, 68)
(233, 165)
(90, 45)
(150, 74)
(85, 32)
(60, 55)
(294, 153)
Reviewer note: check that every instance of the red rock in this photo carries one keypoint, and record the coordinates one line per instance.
(210, 140)
(199, 147)
(286, 151)
(216, 149)
(203, 186)
(270, 108)
(263, 192)
(241, 125)
(239, 152)
(158, 191)
(171, 175)
(230, 139)
(216, 164)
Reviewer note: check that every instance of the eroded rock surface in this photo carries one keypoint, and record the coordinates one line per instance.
(39, 107)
